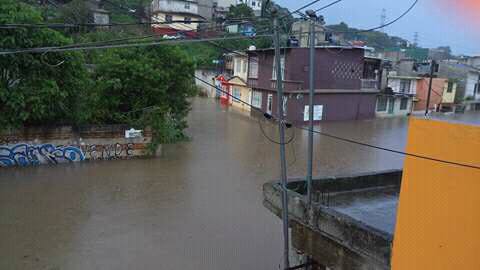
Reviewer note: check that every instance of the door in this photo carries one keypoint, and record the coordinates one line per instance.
(391, 104)
(269, 103)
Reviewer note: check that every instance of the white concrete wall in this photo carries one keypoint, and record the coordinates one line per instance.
(208, 76)
(396, 108)
(394, 83)
(472, 79)
(160, 17)
(175, 6)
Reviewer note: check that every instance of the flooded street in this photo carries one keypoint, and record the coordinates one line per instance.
(199, 206)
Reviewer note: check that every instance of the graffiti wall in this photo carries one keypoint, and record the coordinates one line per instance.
(25, 154)
(98, 143)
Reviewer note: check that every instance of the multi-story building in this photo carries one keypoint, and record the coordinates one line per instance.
(442, 96)
(468, 82)
(345, 83)
(238, 88)
(397, 98)
(166, 11)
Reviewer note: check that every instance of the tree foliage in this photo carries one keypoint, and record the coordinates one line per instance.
(145, 87)
(32, 91)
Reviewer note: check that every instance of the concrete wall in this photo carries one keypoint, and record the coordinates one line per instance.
(208, 76)
(336, 106)
(396, 111)
(35, 146)
(438, 217)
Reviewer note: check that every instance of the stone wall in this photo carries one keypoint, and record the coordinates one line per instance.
(52, 145)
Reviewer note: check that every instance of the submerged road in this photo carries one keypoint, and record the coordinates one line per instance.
(199, 206)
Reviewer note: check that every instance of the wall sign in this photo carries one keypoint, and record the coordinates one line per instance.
(317, 113)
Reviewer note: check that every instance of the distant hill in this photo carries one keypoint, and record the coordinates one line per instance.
(375, 39)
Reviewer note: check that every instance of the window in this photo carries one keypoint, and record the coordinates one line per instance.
(403, 104)
(284, 105)
(187, 5)
(237, 95)
(244, 66)
(253, 3)
(282, 65)
(188, 20)
(405, 86)
(237, 65)
(253, 67)
(257, 99)
(381, 104)
(450, 87)
(168, 18)
(269, 103)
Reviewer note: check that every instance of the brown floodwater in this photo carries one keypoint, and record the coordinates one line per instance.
(198, 206)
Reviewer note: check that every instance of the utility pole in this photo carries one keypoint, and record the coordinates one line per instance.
(281, 128)
(313, 20)
(432, 71)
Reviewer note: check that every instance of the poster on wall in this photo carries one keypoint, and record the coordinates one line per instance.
(317, 113)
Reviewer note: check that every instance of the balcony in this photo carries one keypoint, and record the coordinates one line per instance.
(252, 82)
(369, 84)
(288, 85)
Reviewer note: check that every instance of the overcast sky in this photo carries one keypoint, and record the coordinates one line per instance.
(437, 25)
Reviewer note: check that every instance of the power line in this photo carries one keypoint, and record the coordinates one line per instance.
(75, 25)
(60, 49)
(349, 140)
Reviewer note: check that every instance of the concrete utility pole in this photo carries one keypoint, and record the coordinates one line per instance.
(281, 128)
(313, 21)
(432, 71)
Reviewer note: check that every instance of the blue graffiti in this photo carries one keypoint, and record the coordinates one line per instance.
(25, 154)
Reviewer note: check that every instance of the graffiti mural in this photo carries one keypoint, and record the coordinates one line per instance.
(108, 151)
(26, 154)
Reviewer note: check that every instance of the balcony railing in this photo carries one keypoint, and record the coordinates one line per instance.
(252, 82)
(288, 85)
(369, 84)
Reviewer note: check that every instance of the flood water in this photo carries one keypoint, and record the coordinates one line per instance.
(199, 206)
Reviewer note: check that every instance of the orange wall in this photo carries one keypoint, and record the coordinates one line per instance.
(422, 92)
(438, 221)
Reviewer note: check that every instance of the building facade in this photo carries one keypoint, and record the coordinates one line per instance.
(397, 99)
(442, 97)
(185, 11)
(339, 75)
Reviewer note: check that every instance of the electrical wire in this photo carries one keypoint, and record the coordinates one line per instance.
(351, 141)
(75, 25)
(126, 45)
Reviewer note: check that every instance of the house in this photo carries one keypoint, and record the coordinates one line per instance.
(301, 32)
(397, 98)
(343, 88)
(468, 82)
(185, 11)
(442, 97)
(237, 84)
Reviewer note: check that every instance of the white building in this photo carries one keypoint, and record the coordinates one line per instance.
(398, 99)
(165, 11)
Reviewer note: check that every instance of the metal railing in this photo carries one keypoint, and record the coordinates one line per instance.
(369, 84)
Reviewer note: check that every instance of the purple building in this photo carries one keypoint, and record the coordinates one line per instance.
(346, 83)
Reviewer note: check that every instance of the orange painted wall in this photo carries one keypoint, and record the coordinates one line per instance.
(438, 221)
(422, 92)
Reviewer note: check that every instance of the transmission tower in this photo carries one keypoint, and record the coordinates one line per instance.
(383, 19)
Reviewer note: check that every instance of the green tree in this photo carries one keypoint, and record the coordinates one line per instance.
(32, 89)
(242, 11)
(145, 87)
